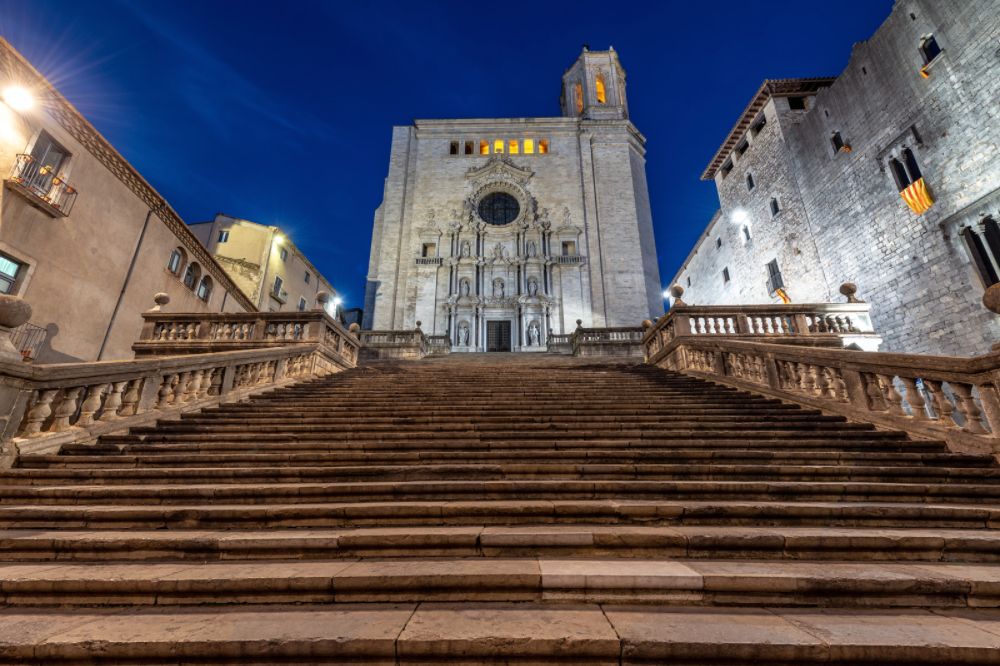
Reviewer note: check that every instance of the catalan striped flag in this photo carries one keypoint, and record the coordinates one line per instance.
(917, 197)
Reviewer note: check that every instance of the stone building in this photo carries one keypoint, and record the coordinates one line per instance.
(496, 232)
(265, 263)
(887, 175)
(84, 239)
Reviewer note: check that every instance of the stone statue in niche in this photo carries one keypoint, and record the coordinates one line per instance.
(430, 216)
(534, 335)
(463, 287)
(463, 333)
(566, 219)
(532, 287)
(498, 288)
(466, 249)
(531, 249)
(543, 219)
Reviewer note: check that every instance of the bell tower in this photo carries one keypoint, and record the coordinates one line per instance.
(594, 87)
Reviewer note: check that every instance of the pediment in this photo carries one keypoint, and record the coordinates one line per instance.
(500, 167)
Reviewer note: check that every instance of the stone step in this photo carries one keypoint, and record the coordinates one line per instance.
(602, 580)
(259, 420)
(735, 512)
(425, 470)
(862, 545)
(111, 457)
(524, 489)
(500, 632)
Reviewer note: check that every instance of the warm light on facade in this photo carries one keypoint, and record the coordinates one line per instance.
(18, 98)
(498, 146)
(529, 146)
(739, 216)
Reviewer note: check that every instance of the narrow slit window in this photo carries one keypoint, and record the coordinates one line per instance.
(837, 141)
(453, 148)
(725, 275)
(750, 183)
(911, 165)
(746, 233)
(600, 90)
(980, 257)
(469, 147)
(899, 174)
(578, 97)
(774, 279)
(718, 243)
(775, 208)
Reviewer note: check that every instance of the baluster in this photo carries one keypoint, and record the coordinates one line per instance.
(914, 399)
(206, 383)
(130, 401)
(165, 396)
(193, 386)
(41, 410)
(180, 390)
(891, 396)
(968, 408)
(838, 388)
(819, 381)
(873, 392)
(805, 380)
(113, 402)
(91, 403)
(216, 379)
(66, 408)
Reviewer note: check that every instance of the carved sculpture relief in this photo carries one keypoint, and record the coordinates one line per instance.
(498, 288)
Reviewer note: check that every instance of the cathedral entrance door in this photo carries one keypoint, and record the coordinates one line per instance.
(498, 336)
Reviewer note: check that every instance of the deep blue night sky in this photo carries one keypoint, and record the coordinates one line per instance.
(281, 112)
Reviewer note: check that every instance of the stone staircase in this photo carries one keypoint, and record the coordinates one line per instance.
(502, 509)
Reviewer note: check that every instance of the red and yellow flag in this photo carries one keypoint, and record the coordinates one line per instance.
(917, 197)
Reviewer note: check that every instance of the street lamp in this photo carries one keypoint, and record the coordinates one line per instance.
(18, 98)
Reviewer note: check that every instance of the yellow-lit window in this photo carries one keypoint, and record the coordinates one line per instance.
(484, 147)
(512, 147)
(543, 146)
(498, 146)
(578, 94)
(602, 97)
(529, 146)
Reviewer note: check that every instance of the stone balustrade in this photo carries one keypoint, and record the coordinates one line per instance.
(394, 344)
(955, 399)
(185, 362)
(620, 341)
(438, 344)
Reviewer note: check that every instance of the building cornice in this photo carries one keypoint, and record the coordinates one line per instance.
(770, 88)
(73, 122)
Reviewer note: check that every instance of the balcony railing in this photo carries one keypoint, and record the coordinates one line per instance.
(41, 185)
(28, 339)
(569, 259)
(429, 261)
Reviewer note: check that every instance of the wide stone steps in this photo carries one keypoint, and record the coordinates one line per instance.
(602, 580)
(473, 510)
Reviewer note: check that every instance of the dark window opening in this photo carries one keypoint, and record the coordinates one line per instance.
(718, 243)
(899, 174)
(689, 280)
(725, 275)
(758, 125)
(742, 148)
(911, 165)
(726, 168)
(826, 112)
(428, 250)
(775, 209)
(9, 272)
(929, 49)
(746, 232)
(499, 208)
(980, 256)
(774, 279)
(469, 148)
(750, 183)
(837, 141)
(797, 103)
(453, 149)
(864, 70)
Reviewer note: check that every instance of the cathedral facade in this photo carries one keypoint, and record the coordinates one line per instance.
(500, 232)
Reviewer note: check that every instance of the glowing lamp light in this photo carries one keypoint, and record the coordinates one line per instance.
(279, 239)
(739, 216)
(18, 98)
(666, 294)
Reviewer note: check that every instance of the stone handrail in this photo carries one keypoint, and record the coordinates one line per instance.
(187, 333)
(615, 341)
(438, 344)
(817, 324)
(940, 397)
(46, 406)
(398, 344)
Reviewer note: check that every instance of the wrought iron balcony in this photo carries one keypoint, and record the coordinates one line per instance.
(42, 186)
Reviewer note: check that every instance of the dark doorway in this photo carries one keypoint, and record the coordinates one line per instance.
(498, 336)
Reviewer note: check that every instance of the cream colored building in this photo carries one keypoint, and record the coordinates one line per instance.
(265, 263)
(84, 239)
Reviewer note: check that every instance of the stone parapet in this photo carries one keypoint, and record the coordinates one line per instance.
(410, 345)
(620, 341)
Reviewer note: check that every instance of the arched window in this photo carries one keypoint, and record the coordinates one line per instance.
(899, 174)
(602, 95)
(984, 247)
(191, 275)
(578, 97)
(176, 261)
(204, 291)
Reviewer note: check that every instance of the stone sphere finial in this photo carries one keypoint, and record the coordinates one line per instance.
(354, 328)
(14, 311)
(646, 323)
(849, 289)
(579, 323)
(160, 299)
(991, 299)
(677, 291)
(419, 324)
(322, 298)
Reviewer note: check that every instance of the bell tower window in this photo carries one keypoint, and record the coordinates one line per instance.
(578, 97)
(600, 90)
